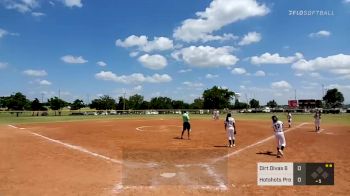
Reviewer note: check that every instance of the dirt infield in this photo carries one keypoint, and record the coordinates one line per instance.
(146, 157)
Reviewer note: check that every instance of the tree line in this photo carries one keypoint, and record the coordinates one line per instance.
(213, 98)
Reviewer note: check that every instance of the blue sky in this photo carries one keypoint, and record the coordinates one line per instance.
(261, 49)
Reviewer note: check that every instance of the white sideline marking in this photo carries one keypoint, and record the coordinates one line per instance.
(255, 144)
(217, 179)
(140, 128)
(78, 148)
(321, 130)
(13, 126)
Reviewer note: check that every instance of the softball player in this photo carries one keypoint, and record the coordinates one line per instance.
(281, 140)
(289, 117)
(186, 125)
(230, 130)
(317, 117)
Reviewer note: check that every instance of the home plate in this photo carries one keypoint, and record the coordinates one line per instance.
(168, 175)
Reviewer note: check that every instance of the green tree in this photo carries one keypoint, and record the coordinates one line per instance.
(104, 102)
(77, 104)
(240, 105)
(272, 104)
(161, 103)
(179, 104)
(56, 104)
(17, 101)
(333, 98)
(122, 104)
(197, 104)
(217, 98)
(135, 102)
(144, 105)
(254, 103)
(36, 105)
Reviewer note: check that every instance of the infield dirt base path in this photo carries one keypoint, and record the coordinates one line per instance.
(32, 164)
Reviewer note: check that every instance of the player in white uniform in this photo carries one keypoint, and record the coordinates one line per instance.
(230, 130)
(281, 140)
(289, 117)
(216, 114)
(317, 117)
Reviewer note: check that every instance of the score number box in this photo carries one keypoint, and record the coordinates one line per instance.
(290, 174)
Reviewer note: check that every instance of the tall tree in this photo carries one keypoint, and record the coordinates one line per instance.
(36, 105)
(178, 104)
(333, 98)
(135, 102)
(197, 104)
(240, 105)
(272, 104)
(161, 103)
(56, 104)
(77, 104)
(254, 103)
(104, 102)
(217, 98)
(17, 101)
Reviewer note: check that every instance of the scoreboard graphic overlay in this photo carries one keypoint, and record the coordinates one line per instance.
(291, 174)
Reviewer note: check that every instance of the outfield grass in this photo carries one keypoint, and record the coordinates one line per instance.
(343, 119)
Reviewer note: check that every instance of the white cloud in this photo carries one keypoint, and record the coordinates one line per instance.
(260, 73)
(281, 85)
(35, 73)
(73, 59)
(101, 63)
(73, 3)
(219, 14)
(133, 54)
(22, 6)
(210, 76)
(315, 75)
(138, 88)
(3, 65)
(238, 71)
(132, 41)
(184, 70)
(346, 1)
(251, 37)
(193, 84)
(268, 58)
(38, 14)
(154, 62)
(206, 56)
(337, 64)
(133, 78)
(44, 82)
(320, 34)
(3, 32)
(157, 44)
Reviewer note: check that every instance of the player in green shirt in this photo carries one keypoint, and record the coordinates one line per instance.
(186, 124)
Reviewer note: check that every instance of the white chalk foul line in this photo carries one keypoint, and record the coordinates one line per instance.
(141, 128)
(212, 173)
(74, 147)
(255, 144)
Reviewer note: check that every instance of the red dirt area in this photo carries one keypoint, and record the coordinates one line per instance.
(146, 157)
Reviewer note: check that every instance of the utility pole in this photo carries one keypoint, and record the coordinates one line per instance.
(295, 94)
(124, 100)
(42, 97)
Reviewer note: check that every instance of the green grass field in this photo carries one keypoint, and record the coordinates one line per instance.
(343, 119)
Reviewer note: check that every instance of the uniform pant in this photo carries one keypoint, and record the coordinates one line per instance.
(281, 140)
(230, 133)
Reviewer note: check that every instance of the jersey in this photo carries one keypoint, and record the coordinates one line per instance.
(229, 124)
(317, 116)
(278, 127)
(289, 116)
(185, 117)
